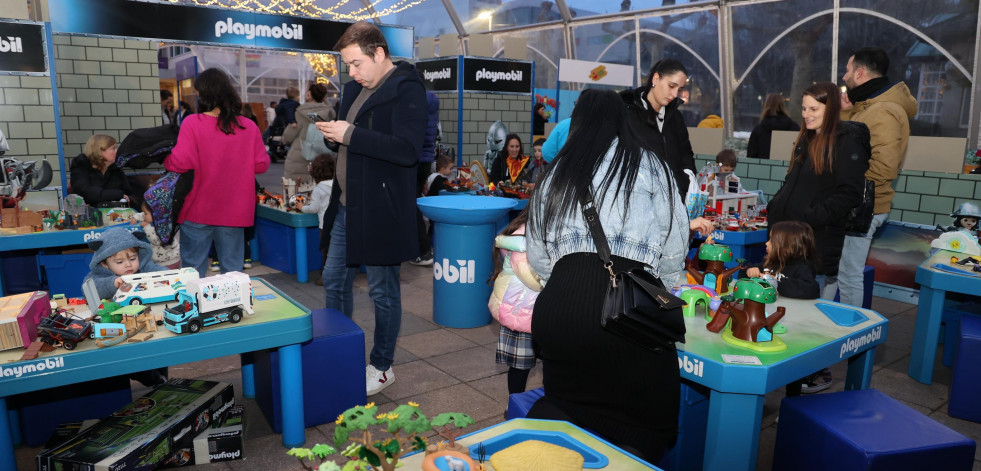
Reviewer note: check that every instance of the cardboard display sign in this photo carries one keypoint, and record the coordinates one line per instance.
(22, 47)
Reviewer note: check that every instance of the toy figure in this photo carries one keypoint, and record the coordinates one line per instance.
(495, 142)
(966, 219)
(715, 256)
(748, 322)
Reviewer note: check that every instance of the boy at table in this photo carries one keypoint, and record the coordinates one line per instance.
(121, 252)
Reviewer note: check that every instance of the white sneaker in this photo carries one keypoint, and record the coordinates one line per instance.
(376, 381)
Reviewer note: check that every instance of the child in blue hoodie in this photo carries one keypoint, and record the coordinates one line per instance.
(119, 252)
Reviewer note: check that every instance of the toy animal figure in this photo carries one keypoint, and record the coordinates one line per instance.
(966, 219)
(715, 256)
(748, 321)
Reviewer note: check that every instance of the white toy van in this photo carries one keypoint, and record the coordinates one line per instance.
(153, 287)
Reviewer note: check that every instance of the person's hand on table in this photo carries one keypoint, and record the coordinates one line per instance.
(754, 272)
(702, 225)
(120, 284)
(333, 130)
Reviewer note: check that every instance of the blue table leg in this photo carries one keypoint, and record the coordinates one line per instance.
(859, 374)
(301, 255)
(7, 459)
(291, 390)
(248, 376)
(732, 437)
(254, 246)
(928, 314)
(1, 277)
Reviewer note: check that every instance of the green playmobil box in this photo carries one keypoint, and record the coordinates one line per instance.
(224, 441)
(145, 433)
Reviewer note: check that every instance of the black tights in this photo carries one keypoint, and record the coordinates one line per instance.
(517, 380)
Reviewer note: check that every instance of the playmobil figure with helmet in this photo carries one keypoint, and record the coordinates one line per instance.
(495, 142)
(966, 219)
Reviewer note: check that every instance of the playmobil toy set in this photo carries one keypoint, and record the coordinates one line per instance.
(294, 192)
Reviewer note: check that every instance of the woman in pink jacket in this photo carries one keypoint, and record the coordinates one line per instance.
(225, 151)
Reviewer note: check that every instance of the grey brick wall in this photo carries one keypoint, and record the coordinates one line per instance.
(27, 119)
(480, 110)
(105, 86)
(921, 197)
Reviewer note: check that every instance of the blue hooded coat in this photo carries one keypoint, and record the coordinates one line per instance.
(113, 241)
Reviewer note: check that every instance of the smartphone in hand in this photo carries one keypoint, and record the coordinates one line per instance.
(315, 118)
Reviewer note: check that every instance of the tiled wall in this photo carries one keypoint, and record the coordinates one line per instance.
(921, 197)
(480, 110)
(105, 86)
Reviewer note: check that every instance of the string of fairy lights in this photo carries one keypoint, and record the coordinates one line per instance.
(324, 65)
(309, 8)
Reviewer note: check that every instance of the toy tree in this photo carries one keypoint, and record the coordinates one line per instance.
(319, 451)
(106, 309)
(452, 424)
(405, 424)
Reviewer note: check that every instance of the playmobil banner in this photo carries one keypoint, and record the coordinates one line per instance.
(439, 75)
(125, 18)
(600, 73)
(501, 76)
(22, 47)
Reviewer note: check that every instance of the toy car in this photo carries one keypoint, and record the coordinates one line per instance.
(64, 328)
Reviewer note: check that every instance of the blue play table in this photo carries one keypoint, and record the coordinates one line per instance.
(464, 237)
(278, 322)
(298, 245)
(934, 284)
(813, 341)
(50, 239)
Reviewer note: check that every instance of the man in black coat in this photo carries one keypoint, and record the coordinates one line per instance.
(378, 136)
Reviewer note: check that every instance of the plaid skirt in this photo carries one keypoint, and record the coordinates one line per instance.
(514, 349)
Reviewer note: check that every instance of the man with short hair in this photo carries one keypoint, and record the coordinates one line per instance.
(167, 111)
(378, 135)
(886, 108)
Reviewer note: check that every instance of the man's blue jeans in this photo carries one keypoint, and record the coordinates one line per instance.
(196, 241)
(383, 287)
(851, 268)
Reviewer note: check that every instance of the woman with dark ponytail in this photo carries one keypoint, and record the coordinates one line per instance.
(225, 151)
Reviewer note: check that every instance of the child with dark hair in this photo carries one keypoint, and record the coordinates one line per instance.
(726, 160)
(539, 160)
(439, 180)
(322, 170)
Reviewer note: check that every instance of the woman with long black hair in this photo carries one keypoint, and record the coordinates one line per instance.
(225, 151)
(593, 378)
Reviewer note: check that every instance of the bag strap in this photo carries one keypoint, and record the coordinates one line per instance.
(591, 216)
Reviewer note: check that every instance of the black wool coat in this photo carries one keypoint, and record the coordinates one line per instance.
(380, 188)
(670, 144)
(94, 186)
(823, 201)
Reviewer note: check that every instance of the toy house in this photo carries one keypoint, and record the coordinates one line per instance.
(19, 317)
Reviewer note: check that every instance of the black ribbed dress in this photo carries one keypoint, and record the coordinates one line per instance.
(597, 380)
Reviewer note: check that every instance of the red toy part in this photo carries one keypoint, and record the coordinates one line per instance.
(76, 301)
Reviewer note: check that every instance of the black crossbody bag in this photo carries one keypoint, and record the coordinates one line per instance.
(636, 306)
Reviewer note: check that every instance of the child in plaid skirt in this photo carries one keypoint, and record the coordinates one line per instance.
(516, 286)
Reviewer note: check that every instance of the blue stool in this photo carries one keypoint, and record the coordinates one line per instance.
(951, 326)
(864, 430)
(519, 404)
(333, 372)
(965, 389)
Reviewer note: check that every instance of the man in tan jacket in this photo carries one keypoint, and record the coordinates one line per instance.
(886, 108)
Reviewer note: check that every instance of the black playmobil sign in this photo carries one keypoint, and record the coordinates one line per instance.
(439, 75)
(124, 18)
(501, 76)
(22, 47)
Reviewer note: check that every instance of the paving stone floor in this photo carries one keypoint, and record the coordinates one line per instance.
(445, 369)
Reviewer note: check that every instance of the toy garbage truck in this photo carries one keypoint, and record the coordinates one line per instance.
(209, 301)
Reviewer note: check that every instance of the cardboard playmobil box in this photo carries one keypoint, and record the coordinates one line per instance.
(224, 441)
(145, 433)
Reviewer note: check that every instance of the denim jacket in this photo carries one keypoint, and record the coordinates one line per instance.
(642, 235)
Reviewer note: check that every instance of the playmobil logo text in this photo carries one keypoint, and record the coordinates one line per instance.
(513, 76)
(691, 366)
(437, 75)
(852, 345)
(224, 407)
(92, 235)
(454, 274)
(41, 365)
(11, 44)
(291, 31)
(225, 455)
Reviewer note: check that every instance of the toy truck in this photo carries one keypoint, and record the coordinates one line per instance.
(209, 301)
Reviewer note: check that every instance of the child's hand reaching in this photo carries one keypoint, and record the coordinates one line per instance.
(120, 284)
(754, 272)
